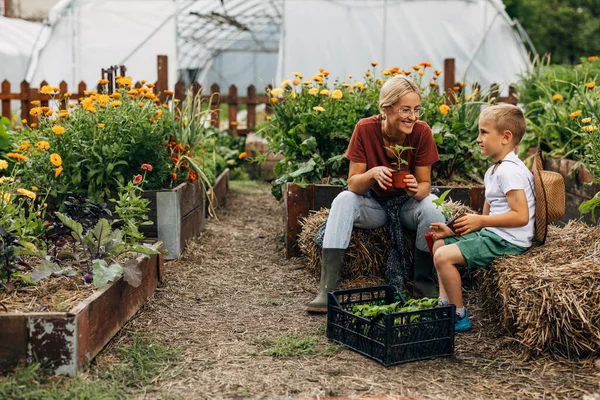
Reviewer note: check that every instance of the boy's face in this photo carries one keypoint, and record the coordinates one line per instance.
(492, 142)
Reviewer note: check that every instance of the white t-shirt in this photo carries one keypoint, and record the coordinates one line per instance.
(511, 174)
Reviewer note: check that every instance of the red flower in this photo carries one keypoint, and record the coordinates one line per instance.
(173, 176)
(147, 167)
(137, 179)
(192, 176)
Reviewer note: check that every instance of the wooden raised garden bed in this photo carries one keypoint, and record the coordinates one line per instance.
(68, 341)
(178, 216)
(299, 202)
(576, 189)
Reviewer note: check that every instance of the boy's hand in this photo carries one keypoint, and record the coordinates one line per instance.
(440, 230)
(467, 224)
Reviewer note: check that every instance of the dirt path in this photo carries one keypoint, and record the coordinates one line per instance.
(233, 295)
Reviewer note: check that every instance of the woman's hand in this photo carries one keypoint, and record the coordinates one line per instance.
(412, 186)
(467, 224)
(382, 176)
(440, 230)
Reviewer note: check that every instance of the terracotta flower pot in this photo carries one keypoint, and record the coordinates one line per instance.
(451, 223)
(398, 178)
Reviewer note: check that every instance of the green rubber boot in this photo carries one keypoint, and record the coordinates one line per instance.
(331, 269)
(424, 284)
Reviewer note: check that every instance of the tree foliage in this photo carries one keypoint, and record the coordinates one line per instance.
(567, 29)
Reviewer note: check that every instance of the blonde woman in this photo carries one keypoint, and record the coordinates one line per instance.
(372, 202)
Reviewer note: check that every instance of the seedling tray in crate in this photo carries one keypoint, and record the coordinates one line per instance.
(389, 338)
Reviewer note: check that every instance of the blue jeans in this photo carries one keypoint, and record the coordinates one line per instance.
(350, 210)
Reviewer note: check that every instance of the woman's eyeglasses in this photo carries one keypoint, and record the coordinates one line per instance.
(405, 112)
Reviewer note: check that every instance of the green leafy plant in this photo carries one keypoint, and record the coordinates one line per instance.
(397, 151)
(9, 258)
(440, 202)
(132, 209)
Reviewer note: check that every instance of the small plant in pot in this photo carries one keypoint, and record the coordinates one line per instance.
(401, 164)
(446, 210)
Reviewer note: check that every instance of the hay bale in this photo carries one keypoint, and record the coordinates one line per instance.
(366, 254)
(550, 295)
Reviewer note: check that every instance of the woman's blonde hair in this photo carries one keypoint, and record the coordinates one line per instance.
(394, 88)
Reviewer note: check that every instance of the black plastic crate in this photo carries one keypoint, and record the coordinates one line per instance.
(419, 335)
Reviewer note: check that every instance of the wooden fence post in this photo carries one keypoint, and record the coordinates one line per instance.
(449, 73)
(5, 101)
(25, 101)
(232, 101)
(251, 109)
(162, 83)
(215, 113)
(179, 94)
(63, 89)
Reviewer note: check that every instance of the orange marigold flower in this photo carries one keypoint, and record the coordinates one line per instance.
(425, 64)
(150, 85)
(55, 159)
(58, 171)
(274, 99)
(374, 63)
(101, 126)
(47, 89)
(242, 155)
(438, 71)
(59, 130)
(35, 102)
(433, 84)
(3, 164)
(26, 192)
(115, 103)
(42, 145)
(192, 176)
(421, 73)
(34, 125)
(575, 114)
(116, 95)
(173, 176)
(590, 85)
(103, 81)
(444, 109)
(557, 97)
(416, 67)
(592, 58)
(169, 92)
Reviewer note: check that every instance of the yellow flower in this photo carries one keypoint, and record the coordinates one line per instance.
(557, 97)
(586, 120)
(115, 103)
(367, 73)
(347, 85)
(35, 102)
(68, 94)
(24, 121)
(59, 130)
(379, 81)
(124, 81)
(5, 197)
(324, 92)
(590, 85)
(276, 92)
(433, 84)
(274, 99)
(141, 104)
(42, 145)
(116, 95)
(159, 113)
(268, 117)
(298, 75)
(438, 71)
(58, 171)
(285, 83)
(425, 64)
(47, 89)
(17, 156)
(24, 146)
(337, 94)
(306, 82)
(101, 126)
(416, 67)
(575, 114)
(63, 114)
(49, 113)
(318, 108)
(26, 192)
(293, 94)
(387, 71)
(169, 92)
(6, 179)
(55, 159)
(3, 164)
(103, 81)
(313, 91)
(34, 188)
(421, 73)
(295, 82)
(374, 63)
(444, 109)
(150, 85)
(590, 128)
(242, 155)
(349, 76)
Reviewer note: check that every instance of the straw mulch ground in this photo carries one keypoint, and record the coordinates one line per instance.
(233, 293)
(550, 296)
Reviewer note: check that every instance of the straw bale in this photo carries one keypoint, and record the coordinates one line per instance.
(549, 296)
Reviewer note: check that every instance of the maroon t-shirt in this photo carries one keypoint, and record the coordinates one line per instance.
(367, 147)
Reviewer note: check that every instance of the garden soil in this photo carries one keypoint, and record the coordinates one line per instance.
(233, 295)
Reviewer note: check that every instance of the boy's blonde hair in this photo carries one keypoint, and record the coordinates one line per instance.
(394, 88)
(506, 117)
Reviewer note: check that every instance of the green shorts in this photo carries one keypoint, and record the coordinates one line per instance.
(482, 247)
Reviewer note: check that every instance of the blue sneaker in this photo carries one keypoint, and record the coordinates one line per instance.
(463, 324)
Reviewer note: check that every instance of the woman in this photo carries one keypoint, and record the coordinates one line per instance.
(370, 201)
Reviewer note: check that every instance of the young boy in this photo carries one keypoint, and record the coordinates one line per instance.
(507, 223)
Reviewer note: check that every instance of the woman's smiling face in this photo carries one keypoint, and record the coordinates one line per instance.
(404, 114)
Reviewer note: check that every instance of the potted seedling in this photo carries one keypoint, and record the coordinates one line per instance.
(446, 211)
(401, 164)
